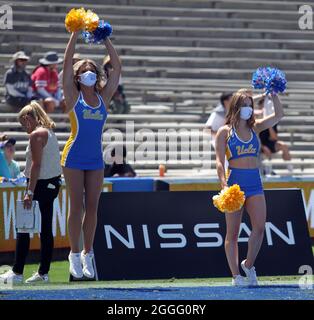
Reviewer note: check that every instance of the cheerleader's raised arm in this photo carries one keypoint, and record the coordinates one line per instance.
(269, 121)
(69, 88)
(114, 77)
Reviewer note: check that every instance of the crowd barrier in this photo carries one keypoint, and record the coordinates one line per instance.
(181, 235)
(9, 193)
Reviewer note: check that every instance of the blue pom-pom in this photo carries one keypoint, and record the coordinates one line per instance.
(99, 35)
(258, 79)
(271, 79)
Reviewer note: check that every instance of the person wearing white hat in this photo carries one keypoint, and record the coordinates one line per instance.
(17, 82)
(46, 82)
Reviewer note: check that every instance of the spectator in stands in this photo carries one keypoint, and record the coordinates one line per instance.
(17, 82)
(76, 58)
(4, 168)
(217, 117)
(269, 137)
(119, 167)
(46, 82)
(118, 103)
(8, 147)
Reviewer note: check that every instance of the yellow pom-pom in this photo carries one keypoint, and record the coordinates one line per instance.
(80, 19)
(91, 21)
(230, 199)
(75, 20)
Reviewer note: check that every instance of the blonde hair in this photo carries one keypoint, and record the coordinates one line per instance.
(233, 115)
(78, 66)
(34, 110)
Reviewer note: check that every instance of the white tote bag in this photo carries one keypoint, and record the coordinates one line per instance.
(28, 221)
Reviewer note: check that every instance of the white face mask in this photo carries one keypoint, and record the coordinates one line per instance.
(88, 78)
(246, 112)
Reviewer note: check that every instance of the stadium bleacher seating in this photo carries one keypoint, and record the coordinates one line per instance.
(178, 56)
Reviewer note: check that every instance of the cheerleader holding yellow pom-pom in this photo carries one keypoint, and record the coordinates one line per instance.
(87, 94)
(238, 141)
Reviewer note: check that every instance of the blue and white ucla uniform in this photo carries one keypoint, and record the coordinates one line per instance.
(249, 180)
(83, 150)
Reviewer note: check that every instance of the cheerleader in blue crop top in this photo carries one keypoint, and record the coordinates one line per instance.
(87, 96)
(238, 142)
(248, 179)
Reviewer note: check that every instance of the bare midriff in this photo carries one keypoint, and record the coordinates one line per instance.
(244, 163)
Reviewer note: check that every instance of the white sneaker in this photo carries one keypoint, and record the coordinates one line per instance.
(239, 281)
(36, 277)
(87, 262)
(10, 277)
(250, 273)
(75, 265)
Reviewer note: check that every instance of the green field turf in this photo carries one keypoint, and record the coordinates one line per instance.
(59, 279)
(59, 276)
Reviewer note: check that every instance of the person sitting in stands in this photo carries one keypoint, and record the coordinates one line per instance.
(119, 167)
(4, 168)
(17, 82)
(8, 147)
(217, 118)
(269, 138)
(46, 82)
(76, 58)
